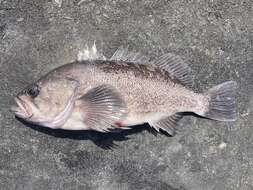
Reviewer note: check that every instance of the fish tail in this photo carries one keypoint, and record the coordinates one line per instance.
(222, 103)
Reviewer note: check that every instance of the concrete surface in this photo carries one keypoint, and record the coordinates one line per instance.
(214, 36)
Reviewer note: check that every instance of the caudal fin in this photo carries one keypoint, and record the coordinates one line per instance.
(222, 105)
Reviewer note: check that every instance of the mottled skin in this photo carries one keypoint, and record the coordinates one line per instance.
(148, 92)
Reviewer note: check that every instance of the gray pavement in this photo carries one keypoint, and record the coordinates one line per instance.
(214, 36)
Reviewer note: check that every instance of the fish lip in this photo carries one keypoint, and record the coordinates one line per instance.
(21, 110)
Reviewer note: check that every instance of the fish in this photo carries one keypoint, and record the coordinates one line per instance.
(128, 89)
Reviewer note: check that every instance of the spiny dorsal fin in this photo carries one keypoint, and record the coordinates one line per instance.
(123, 54)
(90, 53)
(176, 68)
(168, 124)
(102, 107)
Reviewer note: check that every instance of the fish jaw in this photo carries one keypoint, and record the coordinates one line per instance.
(22, 110)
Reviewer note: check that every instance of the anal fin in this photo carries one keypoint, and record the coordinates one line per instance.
(167, 124)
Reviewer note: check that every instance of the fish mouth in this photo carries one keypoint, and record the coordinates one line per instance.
(22, 108)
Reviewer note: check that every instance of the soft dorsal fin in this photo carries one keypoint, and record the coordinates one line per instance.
(174, 65)
(176, 68)
(123, 54)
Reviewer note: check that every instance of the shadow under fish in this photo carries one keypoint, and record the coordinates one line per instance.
(103, 140)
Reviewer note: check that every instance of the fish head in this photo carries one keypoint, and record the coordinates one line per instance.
(42, 101)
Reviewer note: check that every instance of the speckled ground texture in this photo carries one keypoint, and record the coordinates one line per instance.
(214, 37)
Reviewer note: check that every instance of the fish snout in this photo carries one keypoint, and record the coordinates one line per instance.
(22, 108)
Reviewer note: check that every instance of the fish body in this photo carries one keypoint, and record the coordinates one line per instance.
(123, 91)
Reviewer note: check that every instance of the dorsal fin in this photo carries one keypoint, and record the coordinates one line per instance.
(90, 53)
(176, 68)
(123, 54)
(174, 65)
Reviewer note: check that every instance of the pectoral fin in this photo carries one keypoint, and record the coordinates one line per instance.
(102, 107)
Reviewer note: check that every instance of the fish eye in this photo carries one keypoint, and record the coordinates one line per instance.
(34, 91)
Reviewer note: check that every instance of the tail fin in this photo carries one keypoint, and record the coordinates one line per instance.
(222, 104)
